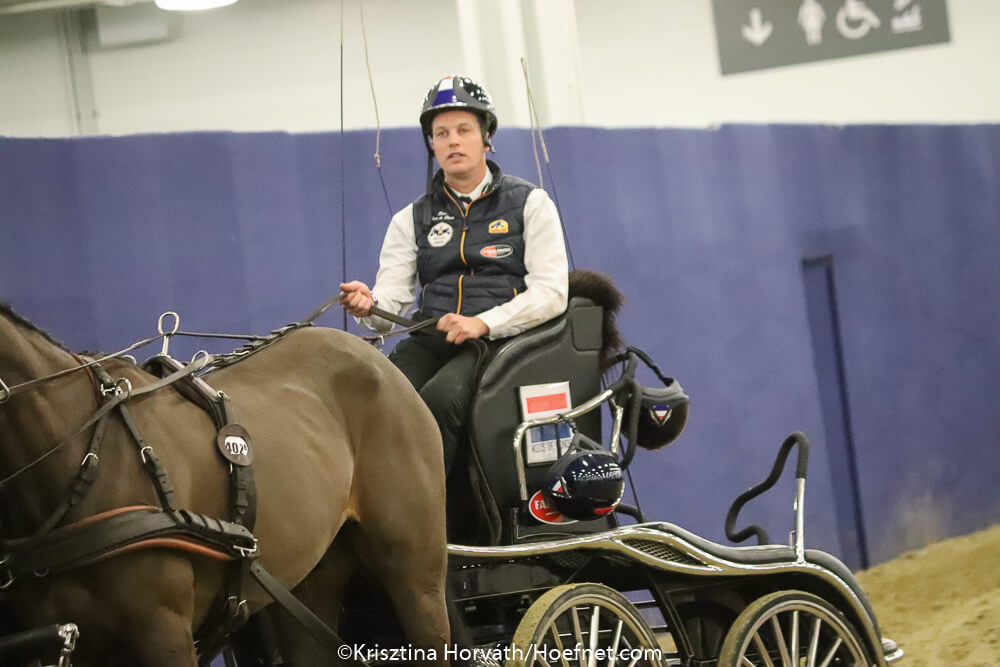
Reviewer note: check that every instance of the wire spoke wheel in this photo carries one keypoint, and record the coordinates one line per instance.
(583, 625)
(792, 629)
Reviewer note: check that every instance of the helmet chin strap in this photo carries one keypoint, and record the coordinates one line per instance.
(430, 177)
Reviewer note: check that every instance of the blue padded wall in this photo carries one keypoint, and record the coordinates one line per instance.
(704, 230)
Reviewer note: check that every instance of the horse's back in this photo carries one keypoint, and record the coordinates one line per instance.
(339, 433)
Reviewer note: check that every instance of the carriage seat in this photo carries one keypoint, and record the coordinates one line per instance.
(564, 349)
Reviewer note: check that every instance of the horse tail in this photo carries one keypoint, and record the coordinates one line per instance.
(601, 290)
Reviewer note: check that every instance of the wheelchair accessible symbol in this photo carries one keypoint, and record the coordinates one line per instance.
(855, 19)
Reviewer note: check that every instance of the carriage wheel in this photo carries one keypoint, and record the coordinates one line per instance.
(585, 625)
(789, 629)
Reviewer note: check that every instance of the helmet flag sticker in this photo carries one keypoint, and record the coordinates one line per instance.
(446, 91)
(660, 413)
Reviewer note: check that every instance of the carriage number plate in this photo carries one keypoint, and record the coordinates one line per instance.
(234, 444)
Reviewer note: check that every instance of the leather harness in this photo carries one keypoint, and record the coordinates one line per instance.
(53, 548)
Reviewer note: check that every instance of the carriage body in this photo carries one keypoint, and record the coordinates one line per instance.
(557, 587)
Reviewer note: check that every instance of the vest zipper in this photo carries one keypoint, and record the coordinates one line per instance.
(464, 210)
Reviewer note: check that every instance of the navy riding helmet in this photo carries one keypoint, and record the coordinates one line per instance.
(586, 482)
(459, 92)
(660, 415)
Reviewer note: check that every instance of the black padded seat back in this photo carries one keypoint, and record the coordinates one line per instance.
(564, 349)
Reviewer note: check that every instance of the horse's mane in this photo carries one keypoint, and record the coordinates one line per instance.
(10, 313)
(601, 290)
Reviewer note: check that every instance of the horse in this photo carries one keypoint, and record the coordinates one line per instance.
(348, 467)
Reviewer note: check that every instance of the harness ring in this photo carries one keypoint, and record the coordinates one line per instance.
(177, 323)
(123, 382)
(201, 356)
(164, 350)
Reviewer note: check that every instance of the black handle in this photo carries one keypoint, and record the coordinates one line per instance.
(26, 645)
(802, 464)
(630, 510)
(631, 361)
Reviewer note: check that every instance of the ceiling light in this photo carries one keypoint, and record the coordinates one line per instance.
(192, 5)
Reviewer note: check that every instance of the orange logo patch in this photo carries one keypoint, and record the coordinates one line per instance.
(498, 227)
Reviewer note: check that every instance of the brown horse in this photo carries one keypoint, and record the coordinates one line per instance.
(341, 440)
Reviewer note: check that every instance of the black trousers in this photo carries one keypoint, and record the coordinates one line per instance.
(445, 376)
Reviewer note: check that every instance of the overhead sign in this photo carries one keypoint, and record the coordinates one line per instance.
(758, 34)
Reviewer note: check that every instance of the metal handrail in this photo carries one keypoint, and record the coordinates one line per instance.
(562, 417)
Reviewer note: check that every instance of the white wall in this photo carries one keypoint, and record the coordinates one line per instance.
(34, 95)
(663, 51)
(275, 65)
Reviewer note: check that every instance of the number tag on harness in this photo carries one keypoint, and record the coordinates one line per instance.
(234, 444)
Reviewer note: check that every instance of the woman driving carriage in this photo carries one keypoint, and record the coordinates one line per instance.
(487, 250)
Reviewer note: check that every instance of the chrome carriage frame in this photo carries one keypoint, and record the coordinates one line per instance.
(583, 598)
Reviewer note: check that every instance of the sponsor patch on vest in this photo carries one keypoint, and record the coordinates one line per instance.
(440, 234)
(499, 227)
(497, 251)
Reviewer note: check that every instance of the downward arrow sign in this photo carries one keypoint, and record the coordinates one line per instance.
(758, 31)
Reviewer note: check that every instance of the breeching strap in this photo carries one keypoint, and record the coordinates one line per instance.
(305, 616)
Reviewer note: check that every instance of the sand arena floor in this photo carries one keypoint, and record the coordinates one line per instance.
(942, 603)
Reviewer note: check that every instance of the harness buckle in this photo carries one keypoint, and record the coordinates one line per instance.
(8, 576)
(4, 392)
(69, 634)
(237, 607)
(247, 552)
(118, 387)
(142, 453)
(91, 456)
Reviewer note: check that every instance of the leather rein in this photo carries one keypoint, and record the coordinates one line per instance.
(409, 325)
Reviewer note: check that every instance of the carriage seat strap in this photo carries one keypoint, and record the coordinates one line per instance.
(115, 532)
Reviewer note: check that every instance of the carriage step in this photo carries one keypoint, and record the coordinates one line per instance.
(891, 650)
